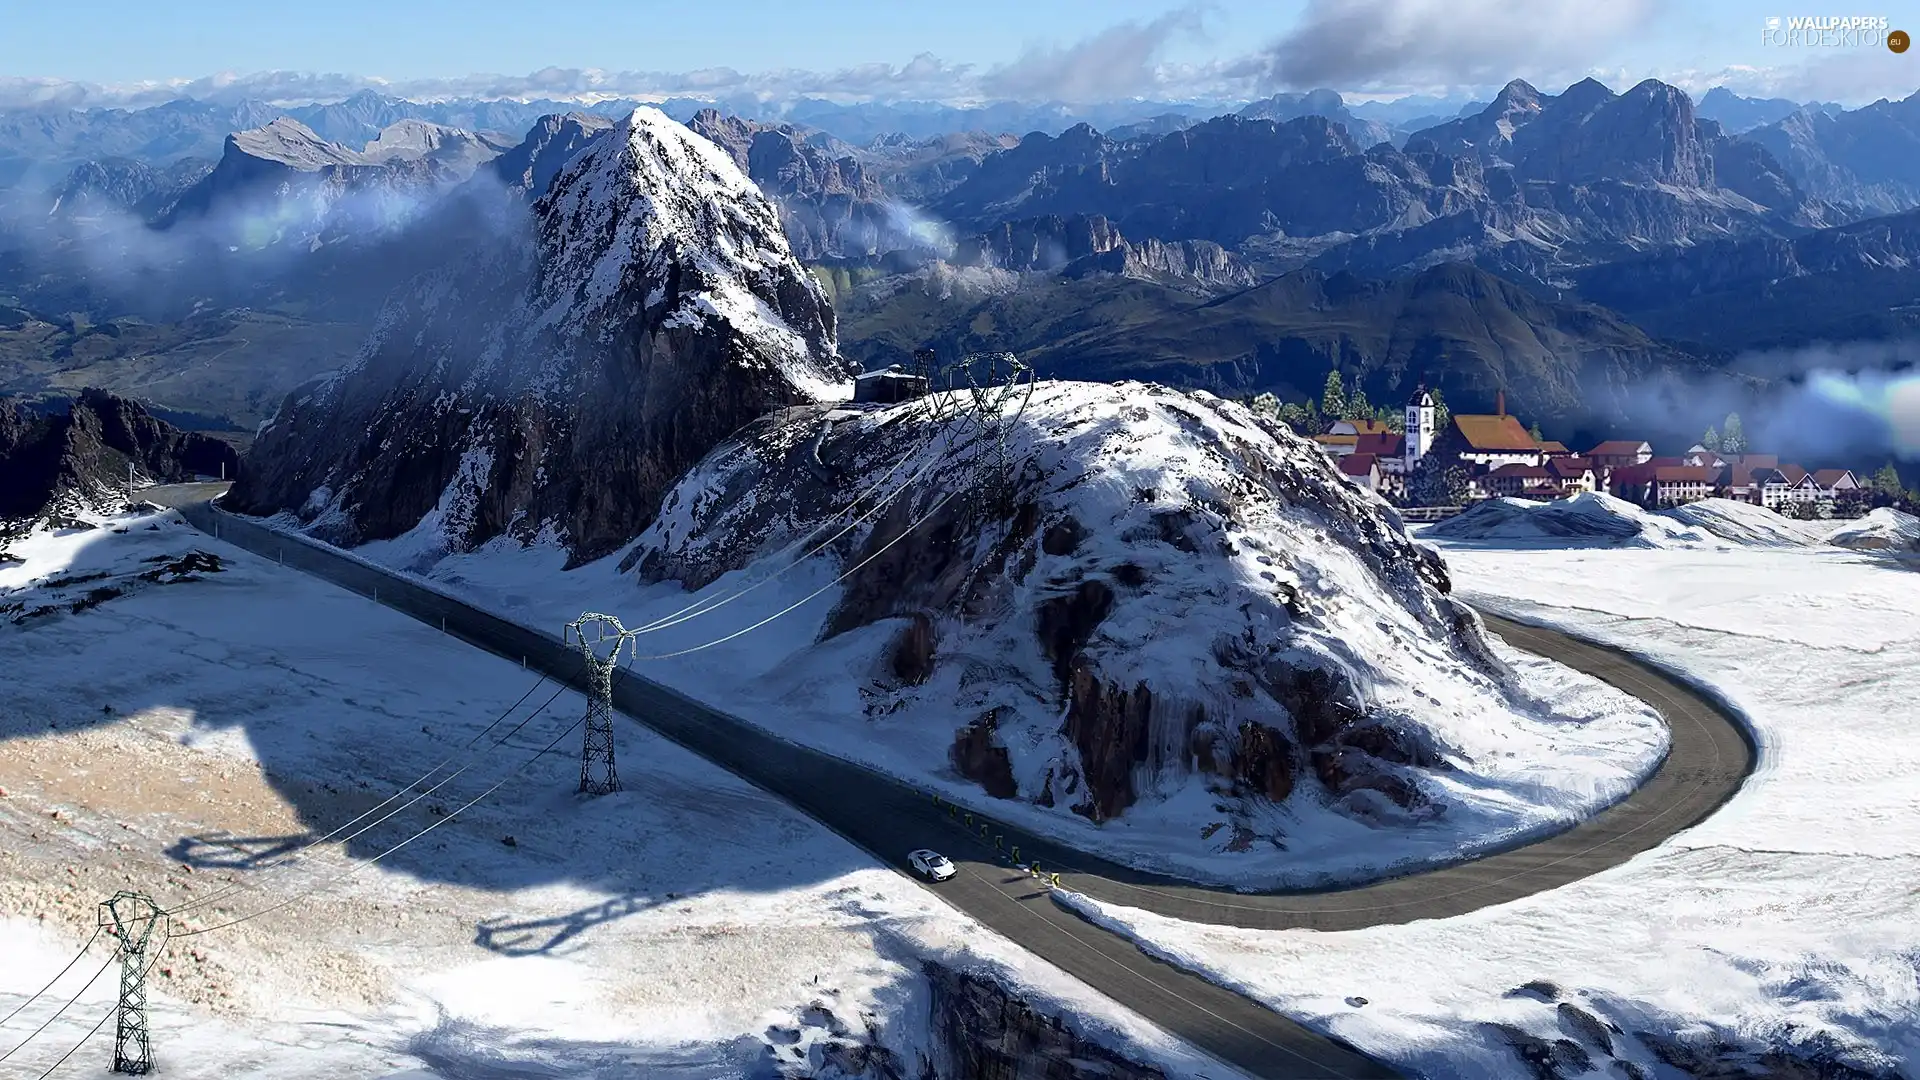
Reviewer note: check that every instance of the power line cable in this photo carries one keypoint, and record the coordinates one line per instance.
(367, 863)
(48, 1022)
(239, 886)
(702, 607)
(38, 994)
(102, 1022)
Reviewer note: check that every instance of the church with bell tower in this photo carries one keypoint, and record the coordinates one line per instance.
(1419, 427)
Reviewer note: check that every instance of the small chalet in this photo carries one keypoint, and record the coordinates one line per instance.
(1362, 469)
(1338, 446)
(1390, 447)
(888, 387)
(1572, 475)
(1785, 486)
(1832, 482)
(1358, 427)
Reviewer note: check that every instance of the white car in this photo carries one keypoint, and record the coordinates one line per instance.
(931, 864)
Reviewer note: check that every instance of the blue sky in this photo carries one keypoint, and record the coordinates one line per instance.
(1066, 49)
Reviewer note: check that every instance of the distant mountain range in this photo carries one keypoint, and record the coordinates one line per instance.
(1248, 250)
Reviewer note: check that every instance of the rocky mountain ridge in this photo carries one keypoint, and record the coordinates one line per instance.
(62, 463)
(562, 381)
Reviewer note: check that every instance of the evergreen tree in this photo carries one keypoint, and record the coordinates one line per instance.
(1295, 415)
(1534, 432)
(1358, 407)
(1395, 419)
(1437, 483)
(1266, 404)
(1887, 481)
(1333, 400)
(1711, 440)
(1441, 415)
(1733, 440)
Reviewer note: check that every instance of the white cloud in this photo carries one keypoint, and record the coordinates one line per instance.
(1442, 44)
(1116, 63)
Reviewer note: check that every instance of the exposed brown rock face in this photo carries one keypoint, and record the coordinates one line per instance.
(978, 757)
(981, 1032)
(913, 650)
(1163, 632)
(1110, 726)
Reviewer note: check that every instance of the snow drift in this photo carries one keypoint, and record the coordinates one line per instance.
(1884, 529)
(1599, 519)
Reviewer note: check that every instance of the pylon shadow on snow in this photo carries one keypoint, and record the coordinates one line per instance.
(538, 937)
(219, 851)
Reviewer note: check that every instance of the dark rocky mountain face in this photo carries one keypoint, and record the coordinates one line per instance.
(830, 205)
(563, 378)
(1530, 184)
(1084, 246)
(1855, 281)
(1454, 326)
(530, 167)
(1867, 158)
(61, 462)
(126, 185)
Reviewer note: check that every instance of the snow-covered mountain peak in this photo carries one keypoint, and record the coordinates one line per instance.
(656, 221)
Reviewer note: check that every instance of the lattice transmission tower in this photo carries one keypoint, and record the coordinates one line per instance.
(998, 403)
(132, 918)
(591, 632)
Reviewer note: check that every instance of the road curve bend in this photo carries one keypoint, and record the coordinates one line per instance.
(1710, 757)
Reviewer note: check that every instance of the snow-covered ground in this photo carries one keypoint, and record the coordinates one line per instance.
(1538, 754)
(1883, 529)
(1599, 519)
(1788, 924)
(196, 721)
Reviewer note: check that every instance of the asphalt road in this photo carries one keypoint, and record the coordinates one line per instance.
(1709, 759)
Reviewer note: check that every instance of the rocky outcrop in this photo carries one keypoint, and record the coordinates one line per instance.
(1048, 587)
(1038, 244)
(983, 1032)
(829, 205)
(126, 185)
(529, 168)
(561, 381)
(77, 459)
(1090, 246)
(1867, 158)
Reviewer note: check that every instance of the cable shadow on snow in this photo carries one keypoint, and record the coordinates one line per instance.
(267, 710)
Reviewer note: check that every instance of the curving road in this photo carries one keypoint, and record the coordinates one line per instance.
(1711, 756)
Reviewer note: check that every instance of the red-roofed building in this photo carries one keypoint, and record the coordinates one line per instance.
(1362, 469)
(1514, 479)
(1633, 483)
(1674, 484)
(1573, 474)
(1619, 453)
(1487, 441)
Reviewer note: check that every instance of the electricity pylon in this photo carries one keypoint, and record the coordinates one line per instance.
(597, 775)
(131, 918)
(991, 402)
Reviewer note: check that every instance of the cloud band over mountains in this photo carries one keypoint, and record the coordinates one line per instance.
(1374, 47)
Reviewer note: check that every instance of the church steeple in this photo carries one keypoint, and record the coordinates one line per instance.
(1419, 426)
